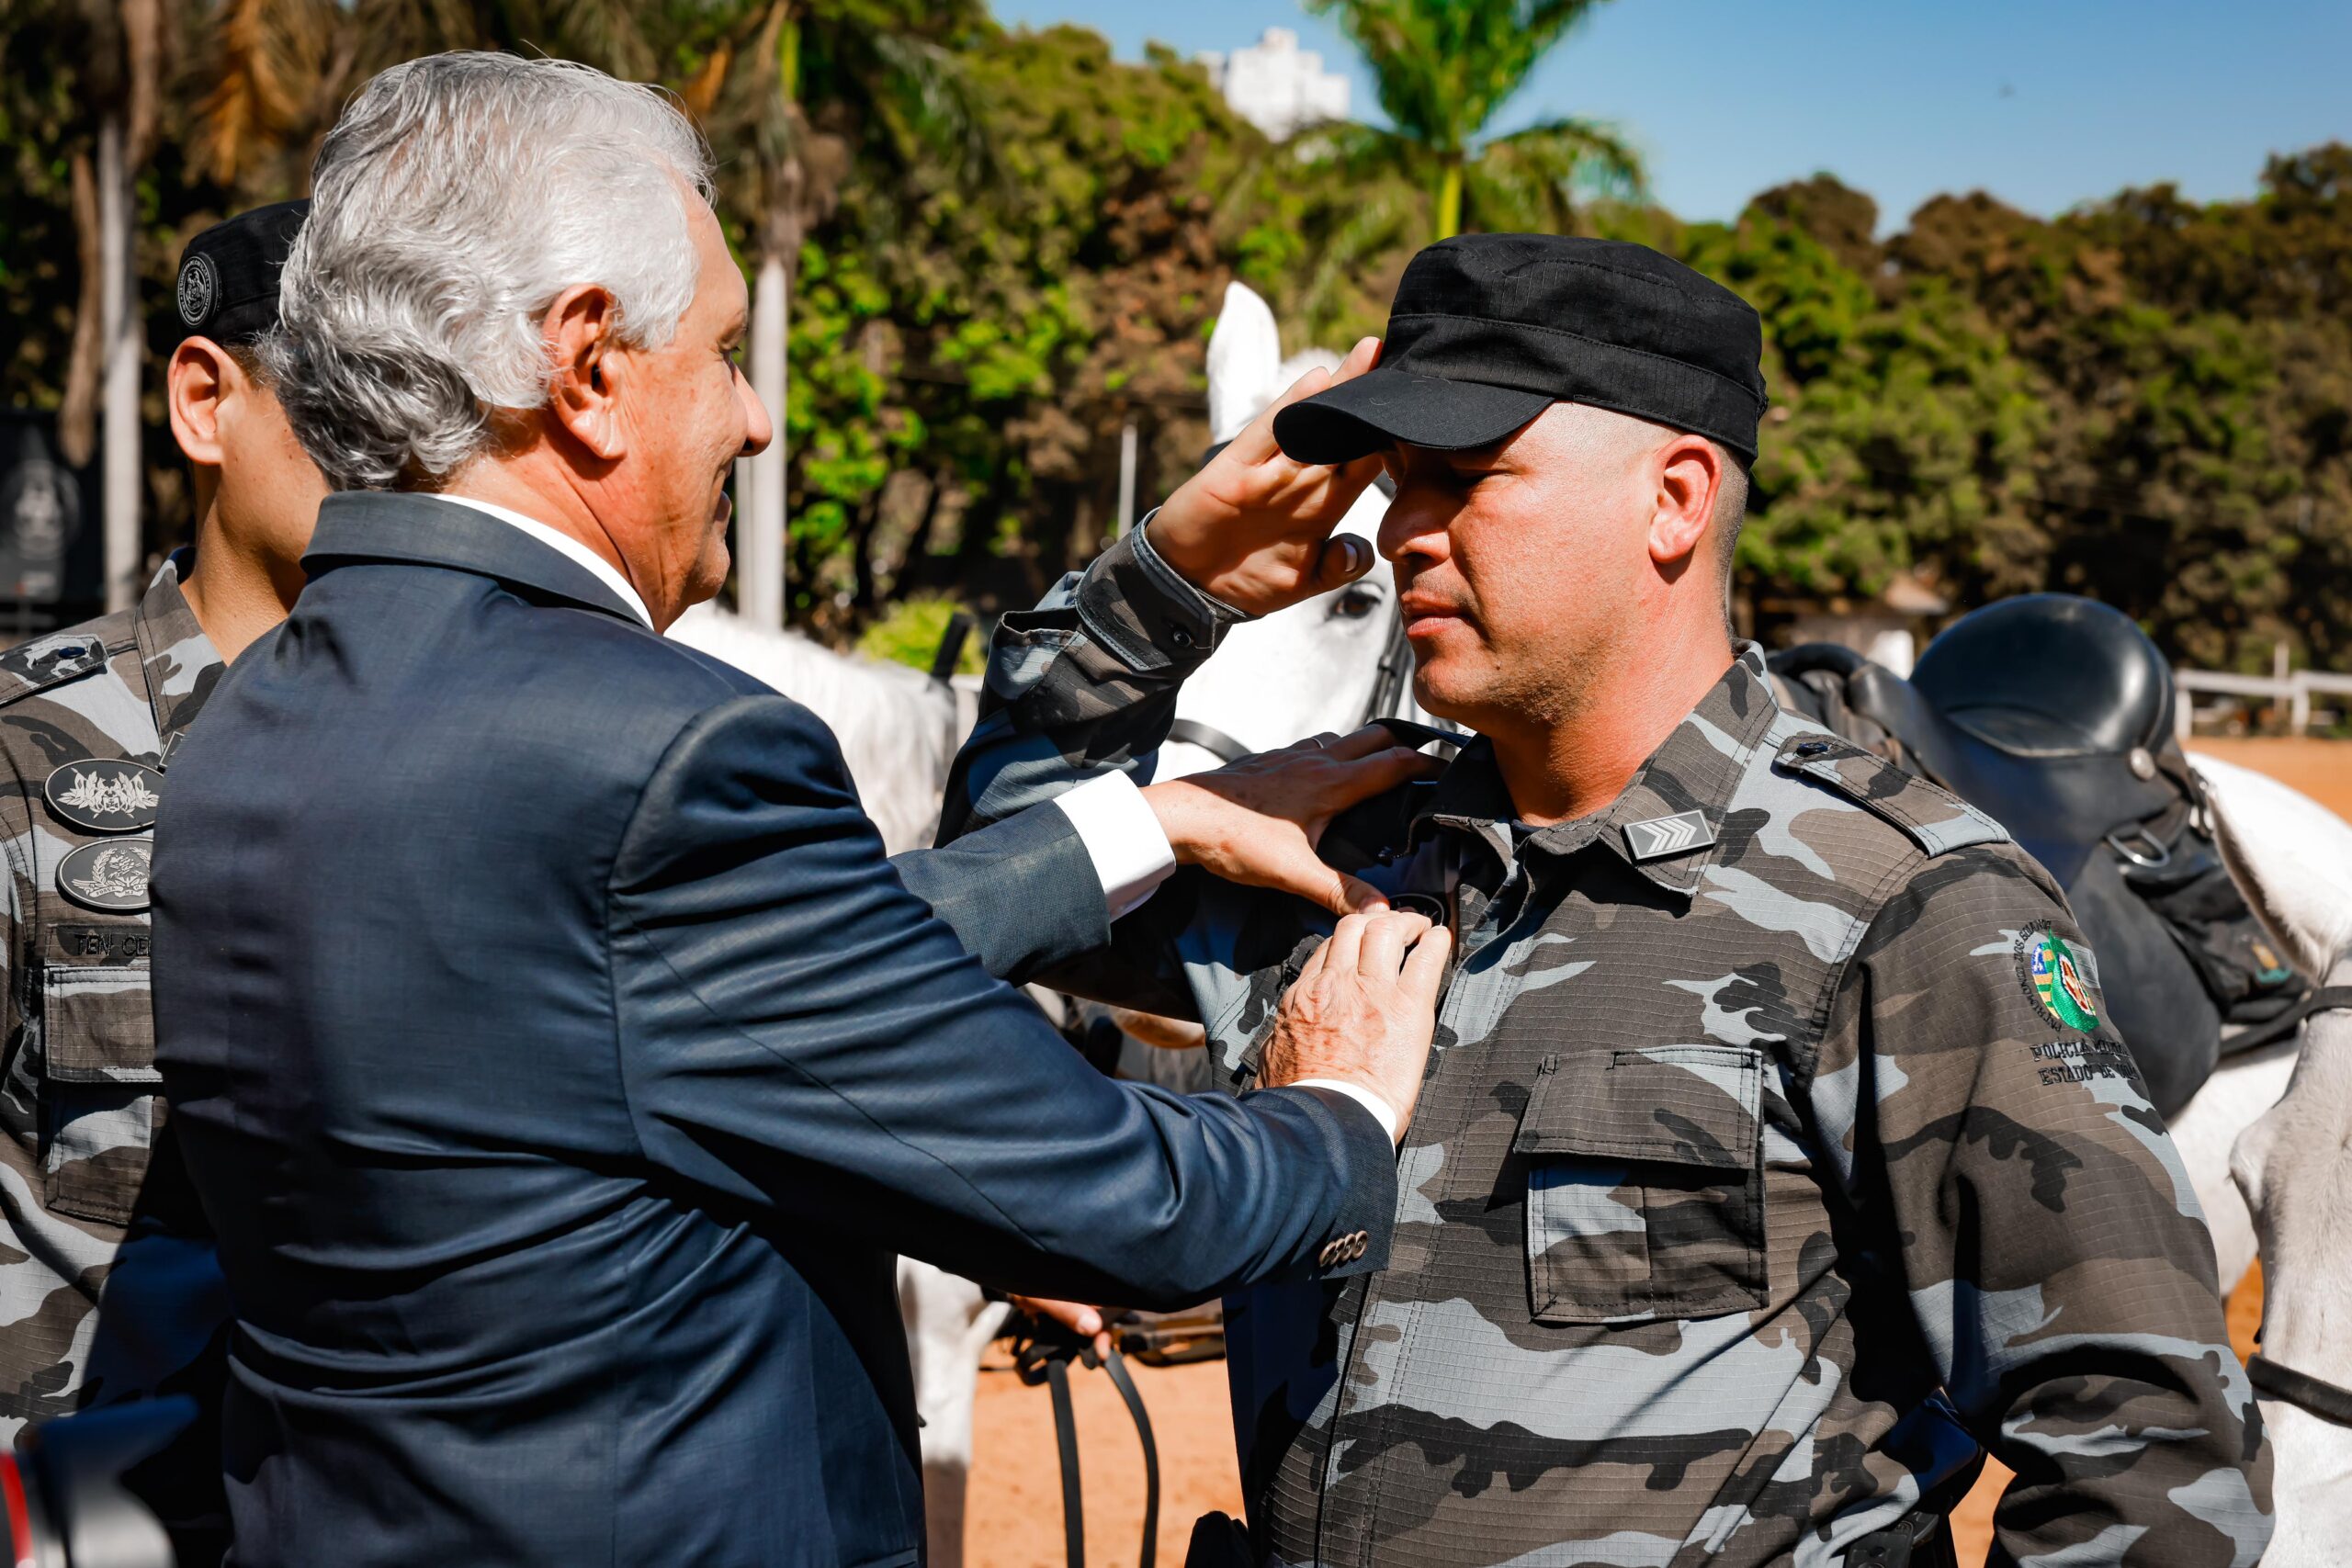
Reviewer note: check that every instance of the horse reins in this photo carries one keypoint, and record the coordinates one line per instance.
(2312, 1395)
(1209, 738)
(1044, 1355)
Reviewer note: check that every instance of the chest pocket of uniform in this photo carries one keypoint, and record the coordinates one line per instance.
(98, 1041)
(1644, 1184)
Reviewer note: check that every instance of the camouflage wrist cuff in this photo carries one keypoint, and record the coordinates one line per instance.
(1137, 608)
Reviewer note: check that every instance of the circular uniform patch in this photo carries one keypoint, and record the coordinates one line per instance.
(111, 877)
(199, 287)
(106, 795)
(2052, 975)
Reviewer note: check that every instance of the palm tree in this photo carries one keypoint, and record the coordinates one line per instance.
(797, 87)
(121, 63)
(1442, 69)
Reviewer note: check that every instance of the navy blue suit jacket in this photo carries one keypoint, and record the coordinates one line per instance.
(561, 1063)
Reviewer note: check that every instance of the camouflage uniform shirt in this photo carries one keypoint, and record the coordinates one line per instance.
(102, 1295)
(1776, 1159)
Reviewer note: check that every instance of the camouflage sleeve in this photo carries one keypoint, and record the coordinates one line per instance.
(1083, 684)
(2054, 1255)
(14, 973)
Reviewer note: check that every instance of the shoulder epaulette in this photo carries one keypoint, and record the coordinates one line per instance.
(1937, 820)
(51, 660)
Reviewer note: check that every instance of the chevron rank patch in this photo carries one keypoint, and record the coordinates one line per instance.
(1663, 836)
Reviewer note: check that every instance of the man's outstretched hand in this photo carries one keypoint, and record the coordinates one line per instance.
(1257, 821)
(1253, 527)
(1088, 1323)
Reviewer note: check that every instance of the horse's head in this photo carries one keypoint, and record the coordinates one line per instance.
(2292, 859)
(1309, 668)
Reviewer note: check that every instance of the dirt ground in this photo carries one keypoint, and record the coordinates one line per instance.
(1015, 1509)
(1014, 1517)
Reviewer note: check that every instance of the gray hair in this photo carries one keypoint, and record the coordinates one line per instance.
(454, 199)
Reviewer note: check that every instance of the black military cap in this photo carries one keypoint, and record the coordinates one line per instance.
(227, 288)
(1489, 330)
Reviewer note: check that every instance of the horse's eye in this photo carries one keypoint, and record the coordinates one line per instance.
(1355, 605)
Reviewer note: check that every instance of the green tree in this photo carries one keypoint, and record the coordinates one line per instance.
(805, 88)
(968, 352)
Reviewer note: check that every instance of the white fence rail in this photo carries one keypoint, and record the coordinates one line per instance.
(2294, 691)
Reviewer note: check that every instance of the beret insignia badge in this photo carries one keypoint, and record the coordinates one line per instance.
(105, 796)
(110, 876)
(199, 287)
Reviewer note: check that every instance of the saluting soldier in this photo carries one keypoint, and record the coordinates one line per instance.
(104, 1296)
(1778, 1156)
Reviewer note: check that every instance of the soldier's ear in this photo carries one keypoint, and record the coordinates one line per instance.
(1687, 474)
(199, 378)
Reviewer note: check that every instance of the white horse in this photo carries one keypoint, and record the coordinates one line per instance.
(1313, 667)
(2293, 860)
(898, 727)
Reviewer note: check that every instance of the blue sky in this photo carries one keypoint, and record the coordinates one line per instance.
(2045, 105)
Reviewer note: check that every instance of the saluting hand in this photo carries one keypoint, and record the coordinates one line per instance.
(1253, 527)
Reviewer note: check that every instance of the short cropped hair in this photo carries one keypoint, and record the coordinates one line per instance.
(1731, 507)
(457, 198)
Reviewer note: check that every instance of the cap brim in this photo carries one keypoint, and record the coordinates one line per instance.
(1384, 406)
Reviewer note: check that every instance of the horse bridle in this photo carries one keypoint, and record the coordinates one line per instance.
(1390, 685)
(1391, 698)
(2312, 1395)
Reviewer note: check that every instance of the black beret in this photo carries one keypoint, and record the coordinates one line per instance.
(1489, 330)
(228, 287)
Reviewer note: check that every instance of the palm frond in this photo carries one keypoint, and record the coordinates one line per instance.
(929, 103)
(265, 83)
(1548, 21)
(1387, 217)
(608, 34)
(1534, 179)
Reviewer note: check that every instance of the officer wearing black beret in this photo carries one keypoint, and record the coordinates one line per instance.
(109, 1300)
(1779, 1157)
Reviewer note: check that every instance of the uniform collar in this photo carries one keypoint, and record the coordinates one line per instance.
(178, 661)
(1695, 771)
(426, 530)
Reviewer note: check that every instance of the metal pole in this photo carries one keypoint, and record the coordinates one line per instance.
(759, 582)
(1127, 479)
(120, 397)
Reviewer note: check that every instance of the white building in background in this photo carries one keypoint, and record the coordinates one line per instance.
(1276, 85)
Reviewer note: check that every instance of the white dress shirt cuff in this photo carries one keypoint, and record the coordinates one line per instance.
(1381, 1111)
(1123, 838)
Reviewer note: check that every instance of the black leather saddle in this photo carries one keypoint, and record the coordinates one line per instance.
(2053, 716)
(2050, 713)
